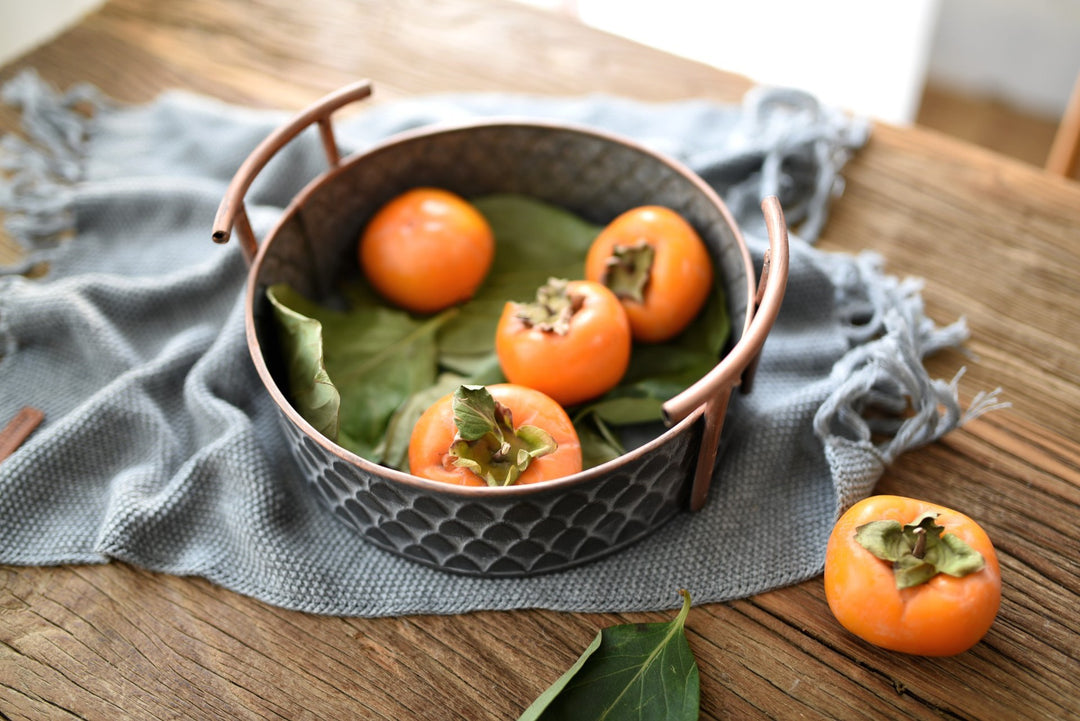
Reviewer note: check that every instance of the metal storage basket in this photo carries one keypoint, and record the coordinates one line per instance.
(515, 530)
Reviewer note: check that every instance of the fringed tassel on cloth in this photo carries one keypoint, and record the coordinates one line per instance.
(798, 146)
(886, 403)
(43, 166)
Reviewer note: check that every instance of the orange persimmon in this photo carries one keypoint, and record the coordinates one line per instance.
(495, 435)
(426, 250)
(572, 343)
(912, 576)
(657, 265)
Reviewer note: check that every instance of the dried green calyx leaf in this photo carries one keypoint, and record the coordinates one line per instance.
(553, 308)
(627, 270)
(919, 550)
(487, 442)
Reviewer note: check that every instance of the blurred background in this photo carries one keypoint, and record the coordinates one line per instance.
(997, 73)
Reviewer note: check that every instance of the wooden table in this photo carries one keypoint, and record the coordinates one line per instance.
(996, 241)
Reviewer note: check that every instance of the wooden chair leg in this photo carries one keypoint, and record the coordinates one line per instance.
(1065, 150)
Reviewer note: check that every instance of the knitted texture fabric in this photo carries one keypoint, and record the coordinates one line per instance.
(161, 447)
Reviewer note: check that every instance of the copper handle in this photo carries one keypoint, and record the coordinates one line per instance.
(714, 389)
(231, 211)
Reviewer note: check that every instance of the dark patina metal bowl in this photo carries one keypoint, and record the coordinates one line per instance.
(515, 530)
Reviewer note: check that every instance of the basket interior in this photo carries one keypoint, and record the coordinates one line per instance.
(313, 247)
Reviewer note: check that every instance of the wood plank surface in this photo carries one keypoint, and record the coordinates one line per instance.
(997, 242)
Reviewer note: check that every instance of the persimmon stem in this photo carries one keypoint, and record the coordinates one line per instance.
(627, 270)
(920, 543)
(553, 308)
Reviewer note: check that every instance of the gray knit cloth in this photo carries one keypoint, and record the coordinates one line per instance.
(161, 448)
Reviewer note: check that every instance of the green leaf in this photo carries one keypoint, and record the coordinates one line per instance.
(599, 444)
(918, 550)
(632, 672)
(314, 395)
(394, 450)
(537, 708)
(375, 357)
(659, 372)
(474, 412)
(542, 237)
(627, 409)
(536, 241)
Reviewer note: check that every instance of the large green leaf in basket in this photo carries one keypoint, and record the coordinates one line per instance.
(312, 392)
(374, 356)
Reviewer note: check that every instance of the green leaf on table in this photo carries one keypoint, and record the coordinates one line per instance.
(632, 672)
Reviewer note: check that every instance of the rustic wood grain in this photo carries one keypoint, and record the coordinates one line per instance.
(995, 240)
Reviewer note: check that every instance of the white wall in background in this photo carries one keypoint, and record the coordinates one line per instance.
(872, 56)
(25, 24)
(1023, 52)
(867, 56)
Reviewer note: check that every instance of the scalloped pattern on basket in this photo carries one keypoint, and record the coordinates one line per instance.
(507, 535)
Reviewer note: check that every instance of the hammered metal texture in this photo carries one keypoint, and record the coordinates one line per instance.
(492, 534)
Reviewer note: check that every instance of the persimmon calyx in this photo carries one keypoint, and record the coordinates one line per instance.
(486, 441)
(553, 308)
(919, 550)
(627, 270)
